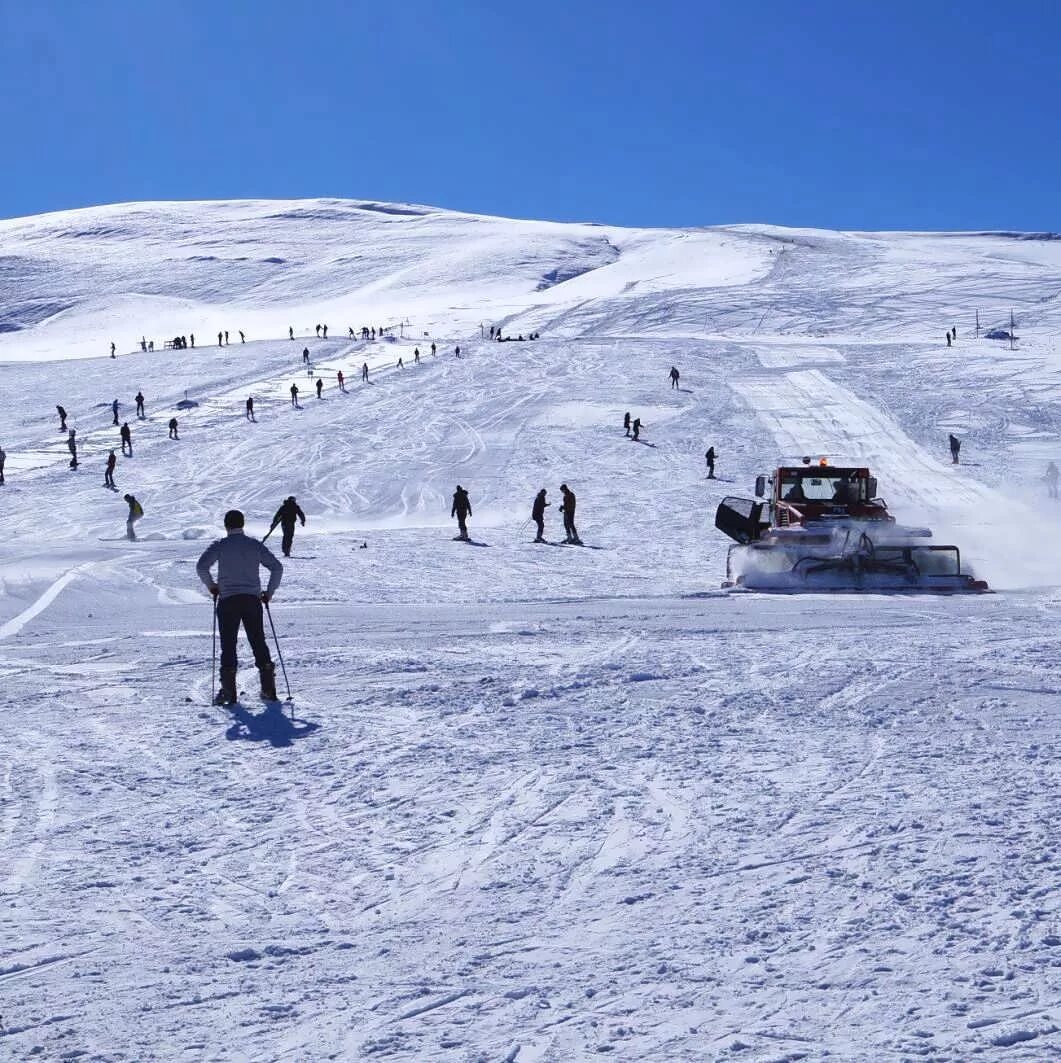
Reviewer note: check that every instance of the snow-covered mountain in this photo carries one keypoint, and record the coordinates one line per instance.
(537, 802)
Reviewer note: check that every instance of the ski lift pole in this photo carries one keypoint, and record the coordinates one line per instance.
(280, 656)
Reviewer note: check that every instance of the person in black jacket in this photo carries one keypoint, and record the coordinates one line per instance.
(62, 418)
(140, 405)
(710, 457)
(568, 510)
(626, 421)
(286, 516)
(127, 438)
(538, 514)
(462, 510)
(955, 447)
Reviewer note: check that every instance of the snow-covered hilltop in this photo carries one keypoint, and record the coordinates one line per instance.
(537, 802)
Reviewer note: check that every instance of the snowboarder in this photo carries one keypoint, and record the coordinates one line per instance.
(710, 458)
(112, 348)
(114, 411)
(364, 373)
(242, 338)
(294, 395)
(136, 511)
(286, 516)
(62, 418)
(462, 510)
(955, 447)
(140, 405)
(674, 374)
(320, 386)
(1051, 479)
(173, 428)
(127, 438)
(71, 445)
(108, 475)
(3, 458)
(538, 514)
(568, 510)
(637, 429)
(239, 600)
(341, 380)
(626, 421)
(250, 407)
(305, 356)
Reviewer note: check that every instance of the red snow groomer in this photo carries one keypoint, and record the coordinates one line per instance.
(823, 528)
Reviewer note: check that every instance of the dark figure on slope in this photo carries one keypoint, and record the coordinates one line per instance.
(626, 421)
(568, 510)
(364, 373)
(173, 428)
(538, 514)
(637, 429)
(114, 411)
(250, 407)
(112, 348)
(108, 475)
(462, 510)
(955, 447)
(710, 458)
(286, 516)
(62, 418)
(294, 395)
(324, 328)
(242, 338)
(340, 380)
(71, 445)
(305, 356)
(3, 458)
(136, 511)
(674, 374)
(239, 596)
(140, 405)
(219, 339)
(127, 439)
(320, 386)
(948, 339)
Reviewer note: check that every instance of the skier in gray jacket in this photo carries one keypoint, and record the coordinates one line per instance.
(240, 598)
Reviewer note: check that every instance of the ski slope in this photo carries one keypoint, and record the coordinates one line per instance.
(534, 802)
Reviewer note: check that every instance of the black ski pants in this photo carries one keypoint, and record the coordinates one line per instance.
(287, 537)
(569, 527)
(540, 522)
(245, 609)
(462, 523)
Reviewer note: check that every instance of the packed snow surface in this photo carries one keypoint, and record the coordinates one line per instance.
(531, 802)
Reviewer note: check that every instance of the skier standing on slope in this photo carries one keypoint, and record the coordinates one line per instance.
(242, 338)
(294, 395)
(127, 439)
(433, 350)
(710, 458)
(140, 405)
(173, 428)
(114, 411)
(112, 348)
(318, 332)
(568, 510)
(341, 380)
(3, 458)
(239, 597)
(290, 332)
(416, 355)
(637, 429)
(136, 511)
(1051, 479)
(71, 445)
(305, 356)
(62, 418)
(538, 514)
(219, 339)
(325, 329)
(250, 407)
(286, 516)
(955, 447)
(626, 421)
(674, 374)
(320, 386)
(364, 373)
(462, 510)
(108, 475)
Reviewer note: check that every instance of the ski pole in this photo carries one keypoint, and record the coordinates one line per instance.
(280, 656)
(268, 533)
(213, 655)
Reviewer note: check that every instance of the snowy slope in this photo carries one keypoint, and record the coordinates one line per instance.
(537, 802)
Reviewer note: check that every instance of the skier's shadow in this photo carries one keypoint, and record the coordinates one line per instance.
(643, 442)
(271, 725)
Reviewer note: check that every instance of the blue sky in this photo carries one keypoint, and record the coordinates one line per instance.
(926, 115)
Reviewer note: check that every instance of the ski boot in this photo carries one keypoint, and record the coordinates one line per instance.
(268, 678)
(227, 694)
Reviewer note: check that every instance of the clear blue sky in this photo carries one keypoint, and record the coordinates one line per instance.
(926, 115)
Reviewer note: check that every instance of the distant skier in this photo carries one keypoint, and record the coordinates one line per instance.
(568, 510)
(3, 458)
(113, 348)
(416, 355)
(710, 458)
(114, 411)
(948, 339)
(62, 418)
(140, 405)
(432, 350)
(143, 343)
(538, 514)
(674, 374)
(192, 338)
(341, 380)
(250, 407)
(305, 356)
(136, 511)
(242, 338)
(457, 352)
(324, 328)
(108, 475)
(626, 421)
(239, 596)
(462, 510)
(955, 447)
(294, 395)
(226, 336)
(173, 428)
(318, 332)
(320, 387)
(364, 373)
(71, 445)
(290, 332)
(1051, 478)
(401, 364)
(219, 335)
(286, 516)
(637, 429)
(127, 439)
(954, 333)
